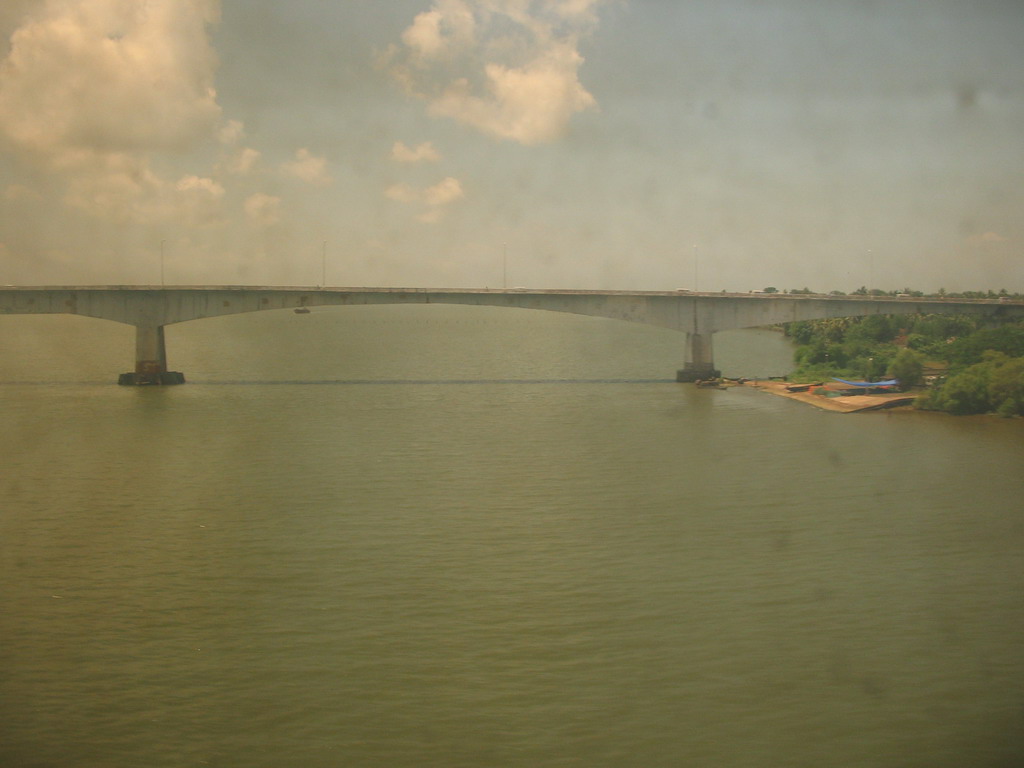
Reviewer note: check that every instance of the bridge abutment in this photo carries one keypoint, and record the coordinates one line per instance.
(699, 361)
(150, 359)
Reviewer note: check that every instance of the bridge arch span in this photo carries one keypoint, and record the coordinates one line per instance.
(699, 315)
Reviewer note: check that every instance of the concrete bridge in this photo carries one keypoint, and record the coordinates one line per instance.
(698, 315)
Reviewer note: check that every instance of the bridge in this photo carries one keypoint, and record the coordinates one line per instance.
(698, 315)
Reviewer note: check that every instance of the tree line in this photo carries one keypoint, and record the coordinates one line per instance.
(963, 364)
(942, 293)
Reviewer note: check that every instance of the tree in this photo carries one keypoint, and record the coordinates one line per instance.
(966, 392)
(908, 367)
(1008, 339)
(1006, 387)
(873, 328)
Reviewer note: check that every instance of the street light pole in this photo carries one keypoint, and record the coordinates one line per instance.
(695, 268)
(161, 262)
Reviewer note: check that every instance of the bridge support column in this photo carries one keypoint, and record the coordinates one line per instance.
(150, 359)
(699, 361)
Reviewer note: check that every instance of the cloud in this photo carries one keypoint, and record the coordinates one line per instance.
(430, 217)
(231, 132)
(117, 185)
(531, 104)
(309, 168)
(448, 190)
(403, 193)
(103, 76)
(92, 90)
(434, 199)
(123, 187)
(262, 209)
(424, 37)
(195, 184)
(436, 33)
(515, 63)
(424, 153)
(242, 162)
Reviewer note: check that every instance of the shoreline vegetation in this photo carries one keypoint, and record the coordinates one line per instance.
(957, 364)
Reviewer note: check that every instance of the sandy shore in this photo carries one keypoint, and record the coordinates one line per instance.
(850, 404)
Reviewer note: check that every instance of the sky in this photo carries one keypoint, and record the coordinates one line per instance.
(592, 144)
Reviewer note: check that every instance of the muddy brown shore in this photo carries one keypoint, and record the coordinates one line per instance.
(843, 404)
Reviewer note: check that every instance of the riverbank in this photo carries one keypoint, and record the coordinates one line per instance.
(843, 404)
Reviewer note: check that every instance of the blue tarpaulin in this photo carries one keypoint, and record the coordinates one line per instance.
(889, 383)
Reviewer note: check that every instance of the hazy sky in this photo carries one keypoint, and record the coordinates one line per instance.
(599, 143)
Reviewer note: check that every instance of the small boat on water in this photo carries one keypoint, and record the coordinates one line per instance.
(302, 311)
(709, 383)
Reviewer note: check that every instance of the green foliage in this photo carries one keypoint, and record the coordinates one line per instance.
(1008, 339)
(802, 331)
(1006, 387)
(873, 328)
(966, 392)
(987, 363)
(942, 327)
(917, 341)
(994, 385)
(908, 367)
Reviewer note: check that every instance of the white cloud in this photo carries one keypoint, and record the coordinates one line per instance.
(91, 90)
(424, 36)
(117, 185)
(262, 209)
(309, 168)
(515, 63)
(231, 132)
(432, 199)
(584, 10)
(122, 187)
(441, 31)
(242, 162)
(423, 153)
(199, 185)
(531, 104)
(448, 190)
(103, 76)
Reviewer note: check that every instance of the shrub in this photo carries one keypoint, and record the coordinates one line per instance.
(908, 367)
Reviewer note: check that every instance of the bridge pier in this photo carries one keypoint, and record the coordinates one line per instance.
(699, 363)
(150, 359)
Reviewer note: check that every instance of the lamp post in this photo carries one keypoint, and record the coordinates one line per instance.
(161, 263)
(694, 267)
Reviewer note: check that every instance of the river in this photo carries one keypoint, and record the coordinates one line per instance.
(453, 536)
